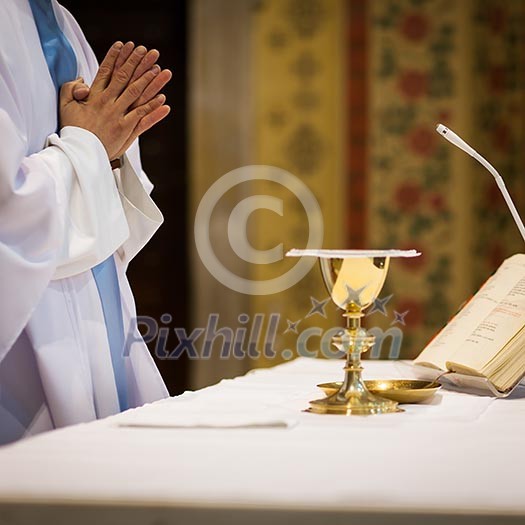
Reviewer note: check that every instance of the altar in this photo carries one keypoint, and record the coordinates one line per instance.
(246, 451)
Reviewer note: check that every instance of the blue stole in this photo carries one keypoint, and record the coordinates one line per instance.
(62, 64)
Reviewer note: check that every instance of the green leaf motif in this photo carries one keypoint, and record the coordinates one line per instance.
(397, 120)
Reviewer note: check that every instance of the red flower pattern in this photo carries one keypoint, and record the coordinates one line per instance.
(415, 26)
(444, 116)
(408, 196)
(422, 141)
(413, 84)
(497, 19)
(437, 202)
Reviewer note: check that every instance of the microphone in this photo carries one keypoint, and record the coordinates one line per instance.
(461, 144)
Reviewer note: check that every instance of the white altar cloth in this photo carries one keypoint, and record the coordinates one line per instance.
(457, 456)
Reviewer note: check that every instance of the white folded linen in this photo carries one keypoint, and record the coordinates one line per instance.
(201, 413)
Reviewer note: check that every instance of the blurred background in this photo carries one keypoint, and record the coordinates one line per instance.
(345, 95)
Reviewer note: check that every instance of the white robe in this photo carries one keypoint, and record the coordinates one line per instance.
(62, 211)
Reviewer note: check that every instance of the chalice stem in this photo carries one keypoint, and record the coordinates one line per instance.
(356, 342)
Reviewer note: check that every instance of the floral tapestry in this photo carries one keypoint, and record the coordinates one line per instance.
(461, 64)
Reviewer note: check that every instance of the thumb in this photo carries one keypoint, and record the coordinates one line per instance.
(80, 90)
(73, 90)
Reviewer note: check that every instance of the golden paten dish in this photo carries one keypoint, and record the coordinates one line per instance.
(400, 390)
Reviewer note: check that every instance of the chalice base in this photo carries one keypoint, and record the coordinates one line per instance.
(354, 403)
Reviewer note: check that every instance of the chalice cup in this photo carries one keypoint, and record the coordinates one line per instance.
(353, 284)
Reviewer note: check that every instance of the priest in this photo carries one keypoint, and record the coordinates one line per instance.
(75, 208)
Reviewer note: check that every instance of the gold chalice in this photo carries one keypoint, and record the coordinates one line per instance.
(353, 279)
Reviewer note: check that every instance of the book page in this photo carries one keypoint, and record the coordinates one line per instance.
(475, 323)
(495, 331)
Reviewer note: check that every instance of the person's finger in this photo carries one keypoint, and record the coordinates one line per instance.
(152, 119)
(146, 63)
(137, 114)
(67, 90)
(105, 70)
(80, 90)
(135, 89)
(153, 88)
(124, 54)
(122, 76)
(146, 123)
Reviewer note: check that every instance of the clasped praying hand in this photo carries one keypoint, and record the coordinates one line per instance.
(123, 101)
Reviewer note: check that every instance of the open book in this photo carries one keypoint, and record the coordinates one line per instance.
(484, 343)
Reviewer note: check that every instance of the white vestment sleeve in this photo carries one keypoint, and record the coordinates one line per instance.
(133, 156)
(95, 222)
(60, 213)
(142, 214)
